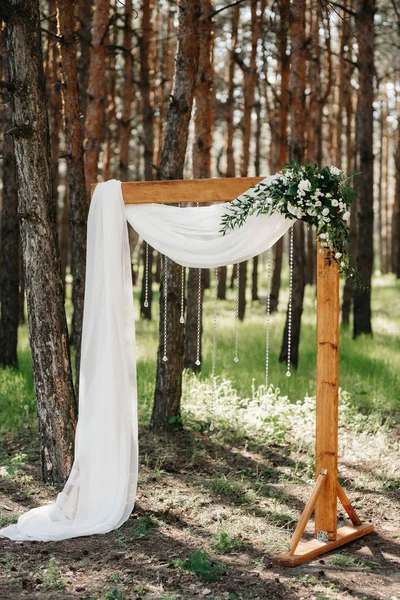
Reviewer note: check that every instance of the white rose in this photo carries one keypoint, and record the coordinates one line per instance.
(335, 202)
(346, 216)
(323, 236)
(305, 185)
(318, 203)
(335, 170)
(338, 255)
(325, 212)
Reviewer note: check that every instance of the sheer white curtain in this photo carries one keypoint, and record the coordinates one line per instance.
(100, 492)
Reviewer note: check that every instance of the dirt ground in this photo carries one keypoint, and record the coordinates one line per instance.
(191, 491)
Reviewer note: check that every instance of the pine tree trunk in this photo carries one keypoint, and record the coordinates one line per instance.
(85, 41)
(230, 103)
(203, 129)
(284, 60)
(96, 91)
(296, 152)
(147, 105)
(37, 212)
(167, 395)
(396, 210)
(276, 276)
(222, 276)
(194, 305)
(125, 125)
(365, 181)
(9, 284)
(78, 200)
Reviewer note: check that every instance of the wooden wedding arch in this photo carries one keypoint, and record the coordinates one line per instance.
(327, 489)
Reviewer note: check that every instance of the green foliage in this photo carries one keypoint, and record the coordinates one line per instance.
(114, 594)
(349, 560)
(51, 576)
(7, 519)
(224, 543)
(199, 562)
(140, 527)
(229, 489)
(318, 197)
(17, 396)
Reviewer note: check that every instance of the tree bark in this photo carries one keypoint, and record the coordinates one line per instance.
(222, 276)
(284, 61)
(230, 103)
(9, 285)
(145, 88)
(365, 10)
(37, 213)
(125, 124)
(85, 41)
(203, 129)
(396, 208)
(296, 152)
(77, 197)
(167, 395)
(96, 91)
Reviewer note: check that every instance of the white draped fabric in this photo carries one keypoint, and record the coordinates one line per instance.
(100, 492)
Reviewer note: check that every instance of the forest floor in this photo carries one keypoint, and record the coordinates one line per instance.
(213, 507)
(208, 519)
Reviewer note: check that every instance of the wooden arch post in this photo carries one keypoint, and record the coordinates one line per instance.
(327, 488)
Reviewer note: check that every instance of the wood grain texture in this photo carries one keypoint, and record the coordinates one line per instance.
(186, 190)
(309, 550)
(327, 386)
(309, 507)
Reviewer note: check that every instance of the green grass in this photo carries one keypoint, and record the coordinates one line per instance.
(200, 563)
(369, 366)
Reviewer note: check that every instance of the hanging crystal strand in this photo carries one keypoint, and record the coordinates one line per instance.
(288, 372)
(214, 352)
(198, 362)
(165, 357)
(236, 359)
(269, 256)
(146, 277)
(182, 319)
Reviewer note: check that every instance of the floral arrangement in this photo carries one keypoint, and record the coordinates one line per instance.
(318, 197)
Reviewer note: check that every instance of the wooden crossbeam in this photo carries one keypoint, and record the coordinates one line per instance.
(202, 191)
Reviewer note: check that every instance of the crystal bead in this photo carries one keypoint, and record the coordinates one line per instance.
(198, 363)
(181, 320)
(236, 359)
(146, 304)
(165, 358)
(288, 374)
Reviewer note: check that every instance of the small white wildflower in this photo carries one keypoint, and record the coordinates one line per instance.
(338, 255)
(323, 236)
(346, 216)
(325, 212)
(335, 170)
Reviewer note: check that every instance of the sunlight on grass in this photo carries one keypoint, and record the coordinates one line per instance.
(369, 366)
